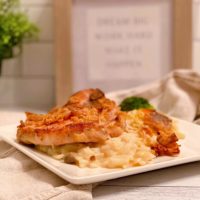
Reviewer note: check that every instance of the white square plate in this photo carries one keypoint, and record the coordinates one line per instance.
(190, 151)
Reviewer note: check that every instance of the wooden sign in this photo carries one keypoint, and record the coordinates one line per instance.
(118, 41)
(119, 44)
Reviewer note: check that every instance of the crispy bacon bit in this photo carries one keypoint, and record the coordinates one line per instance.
(170, 150)
(166, 139)
(97, 94)
(162, 126)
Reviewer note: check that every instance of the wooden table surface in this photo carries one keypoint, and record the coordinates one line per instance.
(176, 183)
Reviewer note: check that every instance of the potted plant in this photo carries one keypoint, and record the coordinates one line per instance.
(15, 27)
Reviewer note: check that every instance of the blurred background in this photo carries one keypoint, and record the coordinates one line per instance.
(28, 79)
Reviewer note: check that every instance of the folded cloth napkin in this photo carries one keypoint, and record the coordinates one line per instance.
(21, 178)
(177, 94)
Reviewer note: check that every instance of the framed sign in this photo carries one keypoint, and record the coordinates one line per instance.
(113, 44)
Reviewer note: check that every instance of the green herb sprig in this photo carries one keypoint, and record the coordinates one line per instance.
(133, 103)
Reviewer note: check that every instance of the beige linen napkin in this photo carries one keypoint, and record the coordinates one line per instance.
(21, 178)
(178, 94)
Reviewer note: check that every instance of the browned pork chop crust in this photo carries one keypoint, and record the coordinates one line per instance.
(88, 116)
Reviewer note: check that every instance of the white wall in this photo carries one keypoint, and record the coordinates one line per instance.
(28, 81)
(196, 35)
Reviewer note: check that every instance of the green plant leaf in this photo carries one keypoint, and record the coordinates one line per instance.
(15, 27)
